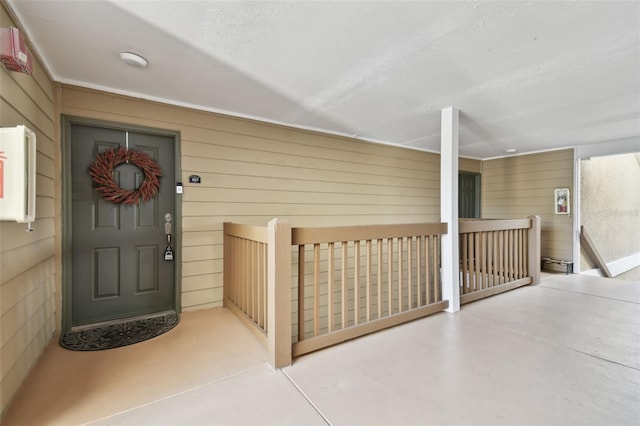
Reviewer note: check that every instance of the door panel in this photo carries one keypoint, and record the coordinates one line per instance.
(118, 267)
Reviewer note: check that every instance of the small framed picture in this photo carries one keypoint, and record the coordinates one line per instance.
(561, 200)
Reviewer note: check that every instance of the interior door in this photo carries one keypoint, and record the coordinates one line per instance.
(118, 251)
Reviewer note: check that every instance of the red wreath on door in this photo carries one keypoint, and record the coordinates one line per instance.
(101, 172)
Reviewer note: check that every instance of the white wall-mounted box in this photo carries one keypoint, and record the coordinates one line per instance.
(17, 174)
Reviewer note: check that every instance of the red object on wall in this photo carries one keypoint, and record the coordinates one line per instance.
(13, 51)
(2, 158)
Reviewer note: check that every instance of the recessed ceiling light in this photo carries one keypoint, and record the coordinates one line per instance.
(134, 60)
(511, 150)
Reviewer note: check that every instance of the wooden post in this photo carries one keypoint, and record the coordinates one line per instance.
(279, 293)
(534, 249)
(226, 275)
(449, 207)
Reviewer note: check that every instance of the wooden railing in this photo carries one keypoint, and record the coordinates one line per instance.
(364, 279)
(257, 277)
(351, 281)
(498, 255)
(245, 273)
(356, 280)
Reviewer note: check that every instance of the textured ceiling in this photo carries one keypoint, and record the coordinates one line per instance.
(525, 75)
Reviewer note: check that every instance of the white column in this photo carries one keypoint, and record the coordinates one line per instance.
(449, 207)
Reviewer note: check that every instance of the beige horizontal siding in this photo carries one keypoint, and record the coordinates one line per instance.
(252, 172)
(470, 165)
(27, 259)
(524, 185)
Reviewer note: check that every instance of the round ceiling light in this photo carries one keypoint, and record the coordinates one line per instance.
(134, 60)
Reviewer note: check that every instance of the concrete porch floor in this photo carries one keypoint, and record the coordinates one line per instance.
(564, 352)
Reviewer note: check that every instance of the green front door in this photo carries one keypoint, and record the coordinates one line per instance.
(118, 251)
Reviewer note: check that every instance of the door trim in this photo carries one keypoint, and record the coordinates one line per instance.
(67, 122)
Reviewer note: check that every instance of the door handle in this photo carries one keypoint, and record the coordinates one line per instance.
(168, 252)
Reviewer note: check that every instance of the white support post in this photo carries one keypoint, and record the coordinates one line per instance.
(449, 207)
(279, 293)
(534, 249)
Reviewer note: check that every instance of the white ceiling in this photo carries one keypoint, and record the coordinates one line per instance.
(525, 75)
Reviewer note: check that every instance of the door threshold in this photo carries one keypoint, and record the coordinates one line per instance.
(120, 320)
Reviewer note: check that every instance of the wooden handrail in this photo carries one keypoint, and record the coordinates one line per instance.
(485, 225)
(248, 232)
(363, 233)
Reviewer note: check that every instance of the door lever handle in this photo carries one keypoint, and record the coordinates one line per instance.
(168, 253)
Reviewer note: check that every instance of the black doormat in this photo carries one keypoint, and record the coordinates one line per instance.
(117, 335)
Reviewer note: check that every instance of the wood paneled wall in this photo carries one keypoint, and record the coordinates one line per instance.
(252, 172)
(28, 259)
(520, 186)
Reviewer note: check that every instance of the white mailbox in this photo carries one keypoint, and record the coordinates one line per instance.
(17, 174)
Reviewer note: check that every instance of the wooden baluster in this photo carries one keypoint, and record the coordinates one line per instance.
(389, 274)
(238, 272)
(356, 283)
(427, 274)
(316, 289)
(301, 292)
(238, 278)
(330, 302)
(263, 287)
(514, 253)
(229, 272)
(344, 284)
(255, 262)
(484, 277)
(243, 282)
(419, 239)
(471, 258)
(436, 268)
(253, 280)
(509, 254)
(478, 259)
(501, 256)
(519, 254)
(379, 246)
(257, 284)
(247, 277)
(410, 271)
(464, 260)
(496, 258)
(400, 266)
(368, 285)
(525, 253)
